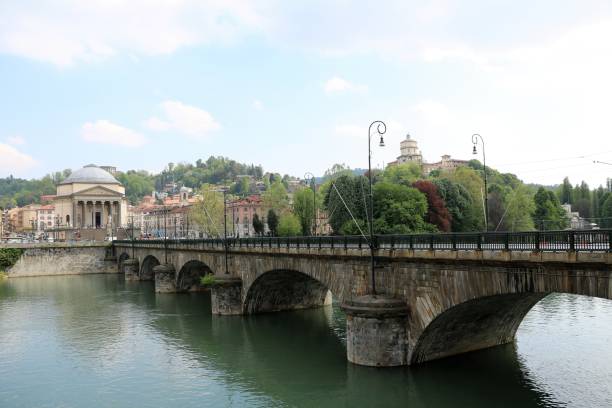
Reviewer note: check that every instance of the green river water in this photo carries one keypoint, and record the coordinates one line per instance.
(97, 341)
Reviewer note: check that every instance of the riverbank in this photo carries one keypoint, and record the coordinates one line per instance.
(57, 259)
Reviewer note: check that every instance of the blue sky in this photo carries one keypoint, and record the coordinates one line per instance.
(294, 85)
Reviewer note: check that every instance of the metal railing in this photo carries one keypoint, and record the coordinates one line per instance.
(553, 241)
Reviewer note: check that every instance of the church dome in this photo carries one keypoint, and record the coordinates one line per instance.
(91, 174)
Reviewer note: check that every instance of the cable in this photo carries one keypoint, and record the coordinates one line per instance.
(558, 159)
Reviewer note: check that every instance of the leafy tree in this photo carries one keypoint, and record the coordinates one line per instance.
(548, 212)
(474, 184)
(606, 212)
(520, 207)
(399, 209)
(137, 184)
(344, 196)
(458, 201)
(338, 170)
(405, 173)
(272, 222)
(276, 197)
(258, 225)
(437, 213)
(289, 225)
(208, 212)
(303, 208)
(566, 192)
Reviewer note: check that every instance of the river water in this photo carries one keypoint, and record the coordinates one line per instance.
(96, 341)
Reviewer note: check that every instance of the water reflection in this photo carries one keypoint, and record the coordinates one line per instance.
(72, 338)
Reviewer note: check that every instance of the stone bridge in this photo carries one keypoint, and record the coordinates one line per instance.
(437, 295)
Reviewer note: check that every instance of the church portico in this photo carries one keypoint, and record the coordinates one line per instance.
(91, 198)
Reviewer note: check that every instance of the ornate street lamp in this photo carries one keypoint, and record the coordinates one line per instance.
(314, 200)
(475, 138)
(165, 237)
(381, 128)
(225, 246)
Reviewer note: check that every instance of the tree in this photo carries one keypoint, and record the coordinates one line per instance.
(303, 208)
(458, 201)
(606, 212)
(474, 184)
(520, 207)
(548, 212)
(338, 170)
(437, 213)
(276, 197)
(405, 173)
(272, 222)
(258, 225)
(208, 213)
(289, 225)
(344, 196)
(566, 192)
(399, 209)
(137, 184)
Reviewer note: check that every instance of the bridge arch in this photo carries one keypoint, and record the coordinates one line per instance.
(188, 278)
(146, 270)
(473, 325)
(285, 289)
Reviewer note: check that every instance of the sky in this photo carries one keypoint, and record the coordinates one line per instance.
(293, 86)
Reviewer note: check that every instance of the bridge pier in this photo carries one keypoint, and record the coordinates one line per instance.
(165, 281)
(130, 269)
(226, 296)
(376, 331)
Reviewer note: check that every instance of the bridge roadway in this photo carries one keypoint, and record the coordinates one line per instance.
(438, 294)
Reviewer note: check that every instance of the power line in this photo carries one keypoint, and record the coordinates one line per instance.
(556, 159)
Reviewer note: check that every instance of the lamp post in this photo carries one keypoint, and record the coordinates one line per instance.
(165, 237)
(381, 128)
(225, 246)
(132, 234)
(314, 201)
(475, 138)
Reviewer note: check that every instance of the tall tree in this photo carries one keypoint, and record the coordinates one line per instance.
(272, 222)
(208, 212)
(399, 209)
(566, 192)
(606, 211)
(474, 184)
(548, 212)
(258, 225)
(289, 225)
(276, 197)
(344, 196)
(458, 201)
(303, 208)
(405, 173)
(437, 213)
(519, 210)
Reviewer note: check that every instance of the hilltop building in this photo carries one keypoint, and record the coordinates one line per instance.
(447, 163)
(410, 153)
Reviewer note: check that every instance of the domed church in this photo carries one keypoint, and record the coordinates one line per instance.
(91, 198)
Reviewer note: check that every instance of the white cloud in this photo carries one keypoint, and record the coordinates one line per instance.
(15, 140)
(12, 160)
(189, 120)
(106, 132)
(337, 85)
(258, 105)
(65, 33)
